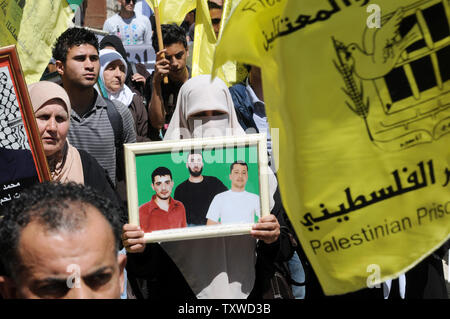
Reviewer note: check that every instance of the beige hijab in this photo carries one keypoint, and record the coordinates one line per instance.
(199, 94)
(222, 267)
(65, 166)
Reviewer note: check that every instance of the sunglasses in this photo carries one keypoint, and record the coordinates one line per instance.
(128, 1)
(215, 21)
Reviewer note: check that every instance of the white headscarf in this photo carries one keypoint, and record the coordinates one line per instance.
(197, 95)
(222, 267)
(124, 95)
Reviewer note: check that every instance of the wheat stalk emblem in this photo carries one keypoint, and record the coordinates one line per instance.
(355, 93)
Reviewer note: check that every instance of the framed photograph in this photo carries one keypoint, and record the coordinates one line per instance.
(197, 188)
(22, 158)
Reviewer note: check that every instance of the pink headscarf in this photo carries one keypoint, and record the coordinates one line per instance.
(65, 166)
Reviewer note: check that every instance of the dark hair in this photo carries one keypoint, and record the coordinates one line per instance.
(213, 5)
(238, 162)
(161, 171)
(115, 42)
(70, 38)
(48, 204)
(153, 23)
(171, 34)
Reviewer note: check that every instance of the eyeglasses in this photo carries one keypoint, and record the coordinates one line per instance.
(128, 1)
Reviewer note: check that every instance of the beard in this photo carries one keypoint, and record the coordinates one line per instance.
(195, 174)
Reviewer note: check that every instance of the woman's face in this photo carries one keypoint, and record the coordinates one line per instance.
(53, 124)
(114, 76)
(208, 124)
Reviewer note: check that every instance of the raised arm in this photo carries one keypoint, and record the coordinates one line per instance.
(156, 110)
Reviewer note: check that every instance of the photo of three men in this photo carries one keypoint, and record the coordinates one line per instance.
(200, 199)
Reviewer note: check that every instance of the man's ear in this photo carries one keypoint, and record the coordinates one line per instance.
(122, 261)
(7, 288)
(59, 67)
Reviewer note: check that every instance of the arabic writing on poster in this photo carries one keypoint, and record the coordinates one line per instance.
(424, 214)
(284, 26)
(9, 192)
(414, 181)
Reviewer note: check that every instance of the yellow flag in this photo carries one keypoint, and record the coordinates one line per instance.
(172, 11)
(205, 45)
(34, 27)
(10, 16)
(204, 41)
(361, 97)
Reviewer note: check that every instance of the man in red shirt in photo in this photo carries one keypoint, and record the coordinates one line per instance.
(162, 212)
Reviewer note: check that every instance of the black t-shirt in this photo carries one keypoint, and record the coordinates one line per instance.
(169, 95)
(196, 197)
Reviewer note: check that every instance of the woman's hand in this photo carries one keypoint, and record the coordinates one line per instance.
(267, 229)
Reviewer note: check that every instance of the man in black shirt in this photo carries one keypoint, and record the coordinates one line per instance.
(198, 191)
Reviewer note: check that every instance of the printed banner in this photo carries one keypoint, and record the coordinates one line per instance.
(34, 27)
(144, 54)
(360, 92)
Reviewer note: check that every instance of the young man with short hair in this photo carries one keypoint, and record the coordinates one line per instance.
(91, 130)
(132, 29)
(162, 211)
(164, 96)
(235, 205)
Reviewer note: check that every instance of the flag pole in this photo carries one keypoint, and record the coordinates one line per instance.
(160, 39)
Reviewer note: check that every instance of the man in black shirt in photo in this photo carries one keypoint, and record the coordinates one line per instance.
(198, 191)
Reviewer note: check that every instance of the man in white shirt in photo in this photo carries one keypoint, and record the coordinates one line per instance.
(235, 205)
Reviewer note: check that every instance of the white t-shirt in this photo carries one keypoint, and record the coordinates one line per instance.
(134, 31)
(234, 207)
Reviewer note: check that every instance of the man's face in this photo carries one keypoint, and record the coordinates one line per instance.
(54, 261)
(81, 66)
(163, 186)
(195, 164)
(176, 53)
(216, 16)
(239, 176)
(127, 5)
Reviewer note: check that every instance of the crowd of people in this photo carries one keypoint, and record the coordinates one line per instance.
(102, 101)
